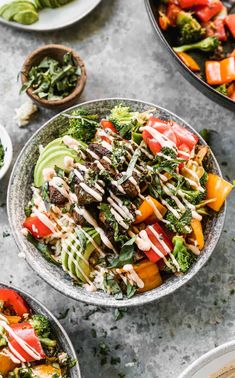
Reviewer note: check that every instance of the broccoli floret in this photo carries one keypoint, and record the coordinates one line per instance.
(208, 44)
(182, 225)
(190, 30)
(203, 180)
(181, 253)
(82, 125)
(193, 196)
(41, 325)
(124, 120)
(222, 89)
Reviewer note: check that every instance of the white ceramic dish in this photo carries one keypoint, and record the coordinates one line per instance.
(57, 18)
(7, 145)
(212, 362)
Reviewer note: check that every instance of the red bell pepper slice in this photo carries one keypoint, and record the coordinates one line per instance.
(184, 152)
(26, 332)
(207, 12)
(172, 13)
(186, 4)
(151, 254)
(230, 22)
(37, 228)
(108, 125)
(220, 31)
(163, 127)
(184, 136)
(14, 301)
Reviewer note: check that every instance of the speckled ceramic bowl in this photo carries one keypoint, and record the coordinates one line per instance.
(214, 363)
(19, 193)
(57, 328)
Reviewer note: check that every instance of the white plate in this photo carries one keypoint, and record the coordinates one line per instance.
(211, 362)
(57, 18)
(7, 145)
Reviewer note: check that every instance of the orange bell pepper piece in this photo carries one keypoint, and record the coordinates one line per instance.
(147, 208)
(46, 371)
(149, 274)
(218, 189)
(227, 69)
(231, 91)
(220, 72)
(13, 319)
(6, 365)
(189, 61)
(197, 233)
(213, 75)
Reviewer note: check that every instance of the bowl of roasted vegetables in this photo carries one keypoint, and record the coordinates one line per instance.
(116, 202)
(200, 36)
(32, 341)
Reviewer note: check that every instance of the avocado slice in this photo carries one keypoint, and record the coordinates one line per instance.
(26, 17)
(45, 154)
(13, 9)
(68, 261)
(52, 160)
(55, 142)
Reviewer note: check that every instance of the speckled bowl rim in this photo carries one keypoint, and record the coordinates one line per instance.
(81, 294)
(208, 357)
(33, 303)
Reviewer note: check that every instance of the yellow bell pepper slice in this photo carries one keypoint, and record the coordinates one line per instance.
(13, 319)
(6, 365)
(218, 189)
(46, 371)
(147, 209)
(148, 272)
(197, 233)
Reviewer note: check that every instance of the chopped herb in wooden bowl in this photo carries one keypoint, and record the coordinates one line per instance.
(53, 76)
(53, 80)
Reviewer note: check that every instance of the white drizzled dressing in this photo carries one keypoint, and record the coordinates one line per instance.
(88, 217)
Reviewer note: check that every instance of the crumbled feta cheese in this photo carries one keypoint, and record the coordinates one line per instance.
(24, 112)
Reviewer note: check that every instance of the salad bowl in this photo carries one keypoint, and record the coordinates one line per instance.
(192, 77)
(19, 194)
(57, 329)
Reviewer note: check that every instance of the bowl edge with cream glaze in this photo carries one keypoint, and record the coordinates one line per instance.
(211, 362)
(57, 329)
(19, 193)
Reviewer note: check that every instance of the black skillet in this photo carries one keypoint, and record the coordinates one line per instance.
(167, 39)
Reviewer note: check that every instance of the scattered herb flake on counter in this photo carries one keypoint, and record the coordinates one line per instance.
(2, 154)
(52, 80)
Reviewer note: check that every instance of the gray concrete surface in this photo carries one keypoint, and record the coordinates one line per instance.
(124, 58)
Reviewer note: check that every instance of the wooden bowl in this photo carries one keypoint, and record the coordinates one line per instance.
(57, 52)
